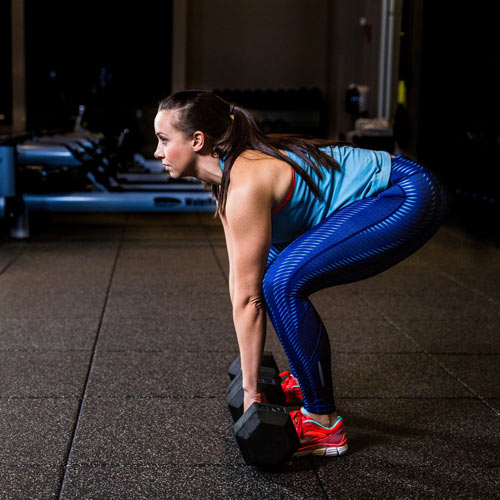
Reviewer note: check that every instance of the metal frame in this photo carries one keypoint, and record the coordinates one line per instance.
(162, 197)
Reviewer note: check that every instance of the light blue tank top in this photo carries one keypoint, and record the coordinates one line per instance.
(363, 173)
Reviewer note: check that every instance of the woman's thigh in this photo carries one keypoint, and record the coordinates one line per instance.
(364, 238)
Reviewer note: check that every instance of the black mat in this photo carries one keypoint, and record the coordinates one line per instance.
(115, 338)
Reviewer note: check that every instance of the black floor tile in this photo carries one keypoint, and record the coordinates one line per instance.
(159, 285)
(166, 219)
(366, 335)
(39, 290)
(43, 373)
(378, 482)
(10, 252)
(216, 235)
(392, 375)
(160, 374)
(155, 431)
(406, 280)
(454, 336)
(36, 431)
(341, 303)
(414, 430)
(176, 333)
(60, 307)
(485, 285)
(178, 244)
(143, 259)
(88, 227)
(183, 303)
(222, 258)
(26, 332)
(495, 403)
(464, 307)
(451, 249)
(189, 482)
(480, 372)
(433, 432)
(145, 233)
(33, 482)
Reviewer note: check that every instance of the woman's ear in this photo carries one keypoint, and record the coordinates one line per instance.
(198, 140)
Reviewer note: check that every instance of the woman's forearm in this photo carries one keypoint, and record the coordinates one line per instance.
(231, 287)
(249, 316)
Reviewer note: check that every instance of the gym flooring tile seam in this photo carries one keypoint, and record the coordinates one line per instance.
(77, 420)
(232, 351)
(70, 396)
(11, 262)
(495, 402)
(432, 357)
(42, 349)
(469, 287)
(120, 397)
(156, 465)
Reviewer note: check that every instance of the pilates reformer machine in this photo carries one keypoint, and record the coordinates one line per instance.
(81, 172)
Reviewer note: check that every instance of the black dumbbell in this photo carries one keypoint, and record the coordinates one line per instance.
(269, 384)
(266, 436)
(267, 361)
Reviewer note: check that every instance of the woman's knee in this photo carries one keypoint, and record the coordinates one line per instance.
(275, 284)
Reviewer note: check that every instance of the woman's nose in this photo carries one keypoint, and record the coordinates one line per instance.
(158, 154)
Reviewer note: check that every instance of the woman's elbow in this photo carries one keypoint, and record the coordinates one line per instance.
(254, 301)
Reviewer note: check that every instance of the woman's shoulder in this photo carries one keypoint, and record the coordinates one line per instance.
(255, 164)
(257, 172)
(251, 156)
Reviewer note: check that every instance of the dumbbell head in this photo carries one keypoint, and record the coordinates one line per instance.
(266, 436)
(267, 361)
(269, 383)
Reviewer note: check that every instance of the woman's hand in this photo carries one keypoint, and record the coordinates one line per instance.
(252, 397)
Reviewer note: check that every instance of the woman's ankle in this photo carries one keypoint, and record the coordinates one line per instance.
(326, 420)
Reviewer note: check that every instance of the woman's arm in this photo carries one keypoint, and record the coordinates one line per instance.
(248, 225)
(229, 248)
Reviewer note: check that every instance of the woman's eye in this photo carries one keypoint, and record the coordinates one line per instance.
(163, 141)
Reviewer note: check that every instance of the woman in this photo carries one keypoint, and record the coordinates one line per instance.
(297, 218)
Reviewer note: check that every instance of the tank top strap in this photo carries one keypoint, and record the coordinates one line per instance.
(288, 196)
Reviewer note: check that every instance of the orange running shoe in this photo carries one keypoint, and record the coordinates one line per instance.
(315, 439)
(291, 388)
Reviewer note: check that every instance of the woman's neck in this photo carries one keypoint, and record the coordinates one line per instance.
(208, 169)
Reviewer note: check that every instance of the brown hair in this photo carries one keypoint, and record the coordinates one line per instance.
(231, 130)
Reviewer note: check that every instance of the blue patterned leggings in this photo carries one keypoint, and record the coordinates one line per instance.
(354, 243)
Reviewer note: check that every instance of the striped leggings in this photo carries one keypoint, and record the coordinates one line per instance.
(355, 242)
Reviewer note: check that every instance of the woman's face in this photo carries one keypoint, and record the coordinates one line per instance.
(174, 150)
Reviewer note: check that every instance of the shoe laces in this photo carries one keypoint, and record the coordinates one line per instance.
(290, 382)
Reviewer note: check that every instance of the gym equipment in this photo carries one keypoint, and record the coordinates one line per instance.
(267, 361)
(269, 384)
(78, 172)
(265, 433)
(266, 436)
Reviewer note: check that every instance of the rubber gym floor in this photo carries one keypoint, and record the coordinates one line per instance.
(116, 336)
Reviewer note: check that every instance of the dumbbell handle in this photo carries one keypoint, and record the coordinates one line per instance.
(268, 361)
(270, 386)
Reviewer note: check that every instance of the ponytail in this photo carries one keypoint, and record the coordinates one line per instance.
(231, 130)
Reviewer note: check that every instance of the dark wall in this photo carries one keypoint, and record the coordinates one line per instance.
(460, 119)
(112, 57)
(459, 127)
(6, 72)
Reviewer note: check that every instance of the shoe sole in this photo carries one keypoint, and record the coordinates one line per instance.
(324, 451)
